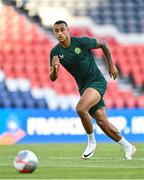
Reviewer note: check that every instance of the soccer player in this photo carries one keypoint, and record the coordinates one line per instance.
(74, 53)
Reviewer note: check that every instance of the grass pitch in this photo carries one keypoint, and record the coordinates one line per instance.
(63, 161)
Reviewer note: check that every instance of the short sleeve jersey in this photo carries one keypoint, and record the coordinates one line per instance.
(78, 60)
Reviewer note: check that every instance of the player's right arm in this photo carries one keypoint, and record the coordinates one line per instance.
(54, 68)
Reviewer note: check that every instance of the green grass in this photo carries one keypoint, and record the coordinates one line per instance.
(63, 161)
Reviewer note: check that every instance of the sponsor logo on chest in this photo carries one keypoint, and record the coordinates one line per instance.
(61, 56)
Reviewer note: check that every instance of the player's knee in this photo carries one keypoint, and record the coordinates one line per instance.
(81, 110)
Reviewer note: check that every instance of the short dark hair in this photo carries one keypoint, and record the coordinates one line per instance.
(60, 22)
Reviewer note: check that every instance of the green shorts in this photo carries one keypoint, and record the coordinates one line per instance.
(101, 88)
(94, 108)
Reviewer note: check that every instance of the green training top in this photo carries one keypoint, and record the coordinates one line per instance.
(78, 60)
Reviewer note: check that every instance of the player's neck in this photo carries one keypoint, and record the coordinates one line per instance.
(66, 43)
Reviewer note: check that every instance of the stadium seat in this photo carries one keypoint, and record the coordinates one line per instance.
(25, 63)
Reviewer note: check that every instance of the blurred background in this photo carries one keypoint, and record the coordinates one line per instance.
(35, 110)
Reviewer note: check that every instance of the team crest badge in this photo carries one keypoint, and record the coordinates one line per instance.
(77, 50)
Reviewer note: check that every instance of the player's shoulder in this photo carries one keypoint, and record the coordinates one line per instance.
(79, 38)
(55, 48)
(82, 39)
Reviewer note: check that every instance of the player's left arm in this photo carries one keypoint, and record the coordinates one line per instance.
(113, 72)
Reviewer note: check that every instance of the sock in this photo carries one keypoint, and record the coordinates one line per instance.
(124, 143)
(91, 138)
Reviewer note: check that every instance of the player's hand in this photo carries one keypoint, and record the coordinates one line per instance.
(55, 62)
(113, 72)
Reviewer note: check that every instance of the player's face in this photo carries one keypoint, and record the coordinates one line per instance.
(61, 32)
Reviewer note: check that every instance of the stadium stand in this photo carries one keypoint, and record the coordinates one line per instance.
(25, 48)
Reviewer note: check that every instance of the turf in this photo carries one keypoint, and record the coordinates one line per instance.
(63, 161)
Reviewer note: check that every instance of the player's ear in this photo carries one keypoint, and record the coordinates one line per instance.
(68, 29)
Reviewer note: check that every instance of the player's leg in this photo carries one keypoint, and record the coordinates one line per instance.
(111, 131)
(89, 98)
(108, 128)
